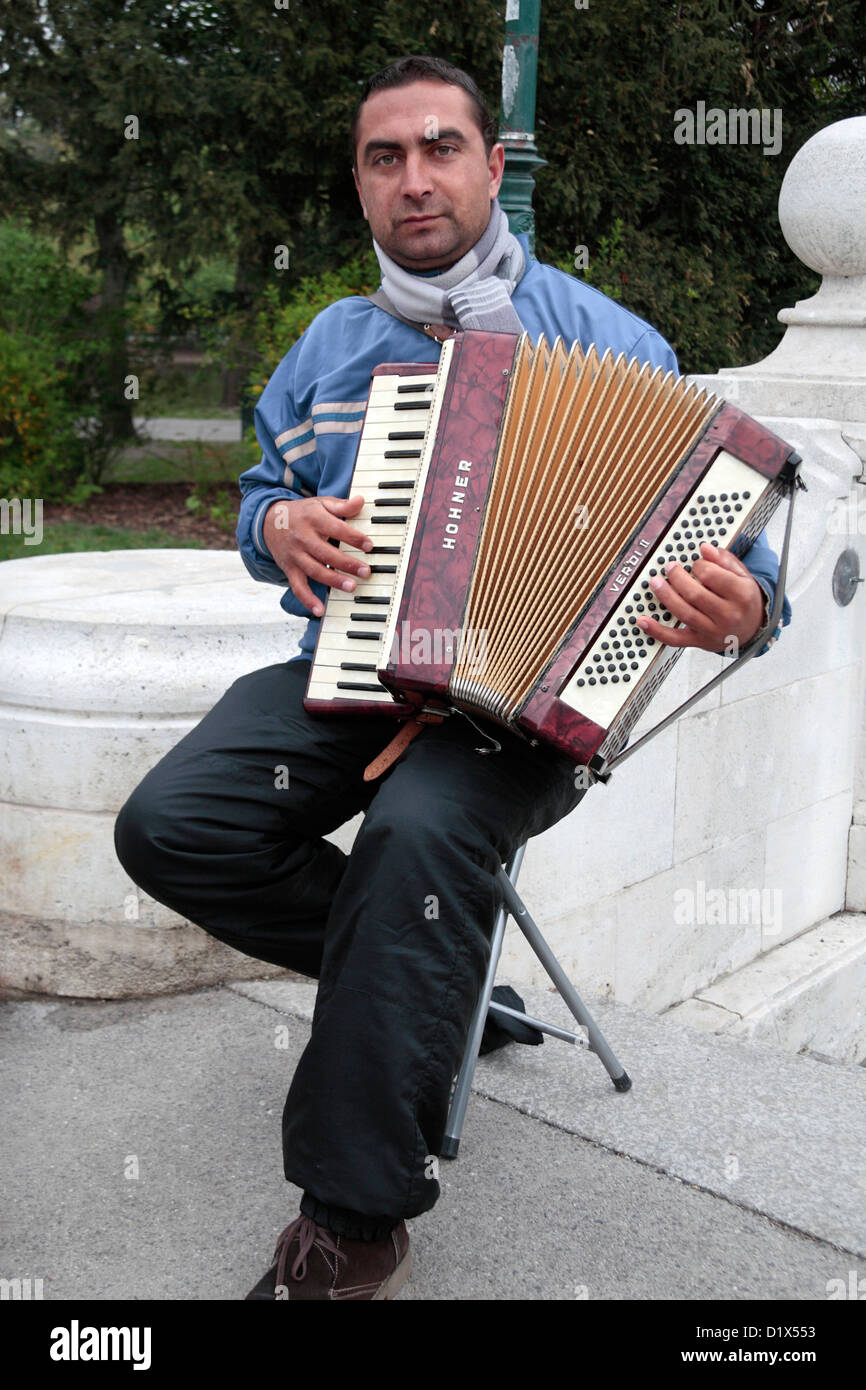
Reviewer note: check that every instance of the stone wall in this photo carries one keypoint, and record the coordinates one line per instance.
(751, 796)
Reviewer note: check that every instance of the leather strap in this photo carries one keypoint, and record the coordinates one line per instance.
(399, 743)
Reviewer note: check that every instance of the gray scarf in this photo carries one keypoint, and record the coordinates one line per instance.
(474, 293)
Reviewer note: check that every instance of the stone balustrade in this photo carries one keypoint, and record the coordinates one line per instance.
(106, 660)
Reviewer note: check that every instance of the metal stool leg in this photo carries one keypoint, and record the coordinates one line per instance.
(460, 1098)
(596, 1042)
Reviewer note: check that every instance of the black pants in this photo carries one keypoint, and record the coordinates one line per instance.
(227, 830)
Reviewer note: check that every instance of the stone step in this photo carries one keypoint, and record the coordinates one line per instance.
(804, 996)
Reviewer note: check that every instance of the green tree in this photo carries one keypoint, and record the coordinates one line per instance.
(118, 130)
(52, 367)
(698, 248)
(241, 149)
(700, 252)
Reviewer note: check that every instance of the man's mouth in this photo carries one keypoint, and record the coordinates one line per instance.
(419, 221)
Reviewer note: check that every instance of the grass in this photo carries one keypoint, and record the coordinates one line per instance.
(191, 395)
(69, 536)
(201, 464)
(191, 461)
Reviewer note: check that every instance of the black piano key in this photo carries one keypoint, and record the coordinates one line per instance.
(387, 521)
(359, 685)
(384, 549)
(392, 501)
(406, 434)
(402, 454)
(368, 617)
(365, 598)
(357, 666)
(412, 386)
(363, 636)
(412, 405)
(399, 482)
(383, 569)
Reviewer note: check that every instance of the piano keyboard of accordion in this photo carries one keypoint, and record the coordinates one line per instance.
(520, 499)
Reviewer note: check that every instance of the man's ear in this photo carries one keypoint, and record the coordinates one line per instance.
(360, 194)
(496, 168)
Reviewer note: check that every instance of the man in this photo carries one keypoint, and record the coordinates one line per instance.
(212, 832)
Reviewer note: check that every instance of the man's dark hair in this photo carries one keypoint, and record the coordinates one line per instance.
(420, 68)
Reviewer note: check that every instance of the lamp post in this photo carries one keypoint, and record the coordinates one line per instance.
(517, 133)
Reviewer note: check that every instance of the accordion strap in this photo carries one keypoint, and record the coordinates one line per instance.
(438, 331)
(400, 742)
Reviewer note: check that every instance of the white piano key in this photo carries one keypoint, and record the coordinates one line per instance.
(327, 690)
(334, 641)
(342, 614)
(367, 588)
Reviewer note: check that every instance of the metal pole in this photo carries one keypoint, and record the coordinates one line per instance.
(517, 133)
(460, 1098)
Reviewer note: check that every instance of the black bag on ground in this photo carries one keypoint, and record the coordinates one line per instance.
(500, 1029)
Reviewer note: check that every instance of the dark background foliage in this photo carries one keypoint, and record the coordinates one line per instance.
(243, 109)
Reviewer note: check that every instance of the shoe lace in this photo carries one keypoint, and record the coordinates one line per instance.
(309, 1234)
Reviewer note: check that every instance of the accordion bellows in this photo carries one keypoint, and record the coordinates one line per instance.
(586, 446)
(520, 499)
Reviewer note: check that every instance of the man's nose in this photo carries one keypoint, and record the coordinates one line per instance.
(417, 176)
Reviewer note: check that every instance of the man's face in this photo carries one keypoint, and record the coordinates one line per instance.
(423, 177)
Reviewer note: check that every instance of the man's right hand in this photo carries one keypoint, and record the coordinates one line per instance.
(297, 533)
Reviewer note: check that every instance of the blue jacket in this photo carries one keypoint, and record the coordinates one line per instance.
(310, 413)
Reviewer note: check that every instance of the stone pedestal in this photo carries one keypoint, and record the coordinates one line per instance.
(818, 370)
(805, 988)
(106, 661)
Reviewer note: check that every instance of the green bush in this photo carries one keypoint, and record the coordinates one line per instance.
(51, 371)
(696, 293)
(280, 325)
(41, 455)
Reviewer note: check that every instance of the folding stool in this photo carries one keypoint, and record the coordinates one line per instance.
(594, 1040)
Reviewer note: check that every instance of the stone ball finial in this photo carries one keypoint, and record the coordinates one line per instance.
(822, 203)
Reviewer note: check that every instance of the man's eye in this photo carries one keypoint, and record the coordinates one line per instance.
(383, 157)
(445, 149)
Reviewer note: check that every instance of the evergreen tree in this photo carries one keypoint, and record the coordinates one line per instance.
(222, 128)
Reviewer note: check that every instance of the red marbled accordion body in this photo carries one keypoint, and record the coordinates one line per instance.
(440, 565)
(444, 546)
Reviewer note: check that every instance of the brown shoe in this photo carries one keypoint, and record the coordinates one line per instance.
(328, 1266)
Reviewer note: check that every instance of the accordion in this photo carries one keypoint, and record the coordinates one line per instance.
(519, 500)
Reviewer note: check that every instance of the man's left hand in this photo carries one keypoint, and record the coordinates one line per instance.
(720, 603)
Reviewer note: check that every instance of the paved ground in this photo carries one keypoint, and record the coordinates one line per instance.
(141, 1159)
(222, 431)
